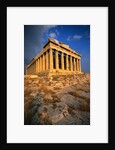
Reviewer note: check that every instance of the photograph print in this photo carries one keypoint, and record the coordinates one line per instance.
(57, 75)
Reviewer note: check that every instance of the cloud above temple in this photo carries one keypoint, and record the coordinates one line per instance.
(77, 36)
(68, 38)
(48, 27)
(34, 39)
(52, 35)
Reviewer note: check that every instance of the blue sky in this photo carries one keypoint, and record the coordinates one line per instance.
(76, 36)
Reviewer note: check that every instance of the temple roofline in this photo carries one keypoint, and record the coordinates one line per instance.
(61, 45)
(55, 42)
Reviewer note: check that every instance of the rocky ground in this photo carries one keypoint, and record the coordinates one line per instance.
(57, 100)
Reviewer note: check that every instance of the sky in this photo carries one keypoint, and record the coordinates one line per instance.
(76, 36)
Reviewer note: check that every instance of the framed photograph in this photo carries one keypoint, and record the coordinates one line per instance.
(57, 75)
(57, 78)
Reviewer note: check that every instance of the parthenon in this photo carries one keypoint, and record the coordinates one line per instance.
(55, 58)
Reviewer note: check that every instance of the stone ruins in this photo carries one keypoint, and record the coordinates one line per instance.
(55, 58)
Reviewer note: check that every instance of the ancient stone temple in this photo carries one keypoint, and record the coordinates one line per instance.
(55, 58)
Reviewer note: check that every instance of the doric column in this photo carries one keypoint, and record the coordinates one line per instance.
(70, 62)
(40, 63)
(77, 65)
(36, 65)
(46, 60)
(66, 61)
(57, 66)
(51, 59)
(74, 64)
(43, 61)
(80, 65)
(62, 61)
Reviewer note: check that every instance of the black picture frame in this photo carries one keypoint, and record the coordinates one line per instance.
(3, 35)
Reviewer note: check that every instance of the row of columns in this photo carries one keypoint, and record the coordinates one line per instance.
(45, 62)
(75, 65)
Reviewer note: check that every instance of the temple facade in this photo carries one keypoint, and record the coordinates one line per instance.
(55, 58)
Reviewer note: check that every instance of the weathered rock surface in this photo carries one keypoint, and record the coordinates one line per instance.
(57, 100)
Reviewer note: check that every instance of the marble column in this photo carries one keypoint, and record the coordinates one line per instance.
(51, 59)
(57, 65)
(43, 60)
(74, 64)
(46, 60)
(70, 63)
(77, 65)
(66, 61)
(80, 65)
(36, 65)
(40, 63)
(62, 61)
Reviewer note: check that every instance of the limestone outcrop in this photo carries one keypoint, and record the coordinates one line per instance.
(57, 100)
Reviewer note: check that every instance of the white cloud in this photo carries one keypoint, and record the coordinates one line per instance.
(48, 27)
(52, 35)
(57, 32)
(68, 38)
(77, 36)
(49, 33)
